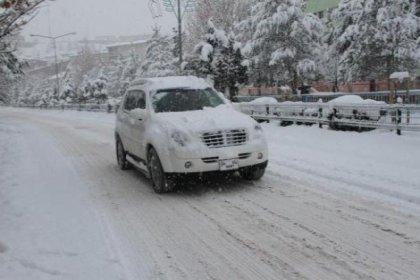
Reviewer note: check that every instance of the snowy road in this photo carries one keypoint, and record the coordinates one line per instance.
(332, 206)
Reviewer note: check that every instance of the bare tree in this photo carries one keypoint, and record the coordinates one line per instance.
(13, 15)
(86, 60)
(223, 13)
(16, 13)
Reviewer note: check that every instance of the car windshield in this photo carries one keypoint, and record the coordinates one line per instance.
(185, 99)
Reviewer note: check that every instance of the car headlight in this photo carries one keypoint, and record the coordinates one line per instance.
(180, 138)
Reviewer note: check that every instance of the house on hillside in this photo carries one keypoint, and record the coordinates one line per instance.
(321, 7)
(129, 48)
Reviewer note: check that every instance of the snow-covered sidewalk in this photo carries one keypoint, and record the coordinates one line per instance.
(49, 226)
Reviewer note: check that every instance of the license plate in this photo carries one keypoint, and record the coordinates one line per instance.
(229, 164)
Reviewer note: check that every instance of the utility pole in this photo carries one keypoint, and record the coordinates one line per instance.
(180, 33)
(183, 6)
(54, 38)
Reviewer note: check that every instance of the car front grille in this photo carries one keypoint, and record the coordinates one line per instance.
(227, 138)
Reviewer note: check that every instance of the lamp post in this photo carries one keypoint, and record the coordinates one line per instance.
(180, 32)
(179, 12)
(54, 38)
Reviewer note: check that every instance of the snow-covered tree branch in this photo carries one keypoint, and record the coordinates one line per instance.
(219, 57)
(13, 15)
(161, 57)
(285, 43)
(224, 14)
(375, 38)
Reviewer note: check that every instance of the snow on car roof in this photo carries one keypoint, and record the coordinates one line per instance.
(170, 82)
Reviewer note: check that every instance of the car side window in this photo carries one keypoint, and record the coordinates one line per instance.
(135, 100)
(141, 100)
(128, 103)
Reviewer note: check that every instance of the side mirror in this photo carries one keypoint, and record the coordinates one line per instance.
(138, 114)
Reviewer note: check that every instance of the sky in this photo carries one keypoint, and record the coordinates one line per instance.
(90, 18)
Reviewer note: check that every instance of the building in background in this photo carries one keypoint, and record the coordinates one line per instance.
(321, 7)
(138, 48)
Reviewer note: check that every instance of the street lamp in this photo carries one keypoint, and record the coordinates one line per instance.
(179, 10)
(54, 38)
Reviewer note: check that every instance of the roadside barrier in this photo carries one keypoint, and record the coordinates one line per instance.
(76, 107)
(341, 117)
(359, 117)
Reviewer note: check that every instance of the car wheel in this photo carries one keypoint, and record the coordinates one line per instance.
(162, 183)
(121, 156)
(252, 172)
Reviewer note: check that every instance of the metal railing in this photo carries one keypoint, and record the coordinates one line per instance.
(344, 116)
(413, 97)
(76, 107)
(350, 116)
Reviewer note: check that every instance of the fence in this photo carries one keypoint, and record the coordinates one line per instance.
(351, 116)
(77, 107)
(413, 96)
(344, 116)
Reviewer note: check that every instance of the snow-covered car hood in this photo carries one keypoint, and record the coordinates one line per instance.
(208, 119)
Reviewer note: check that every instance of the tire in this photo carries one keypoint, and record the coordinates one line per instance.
(123, 164)
(252, 173)
(162, 183)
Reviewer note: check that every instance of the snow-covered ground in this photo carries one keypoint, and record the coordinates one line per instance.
(333, 205)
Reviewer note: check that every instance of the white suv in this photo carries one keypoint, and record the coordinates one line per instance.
(172, 126)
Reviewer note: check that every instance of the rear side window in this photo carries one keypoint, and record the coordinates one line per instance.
(135, 99)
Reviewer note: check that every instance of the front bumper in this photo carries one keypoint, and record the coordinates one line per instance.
(208, 160)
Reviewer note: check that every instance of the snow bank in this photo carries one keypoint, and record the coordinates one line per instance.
(264, 100)
(401, 76)
(365, 107)
(378, 164)
(347, 99)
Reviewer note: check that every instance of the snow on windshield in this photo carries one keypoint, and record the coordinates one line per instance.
(181, 100)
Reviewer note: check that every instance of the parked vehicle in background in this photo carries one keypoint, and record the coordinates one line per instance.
(173, 126)
(343, 108)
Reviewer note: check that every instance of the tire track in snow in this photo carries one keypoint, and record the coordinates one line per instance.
(198, 235)
(413, 240)
(314, 226)
(351, 182)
